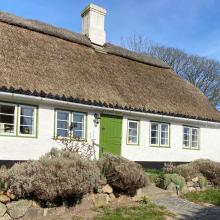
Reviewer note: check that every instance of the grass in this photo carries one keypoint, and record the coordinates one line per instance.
(140, 212)
(211, 196)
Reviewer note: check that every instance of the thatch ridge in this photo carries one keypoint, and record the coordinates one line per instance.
(64, 34)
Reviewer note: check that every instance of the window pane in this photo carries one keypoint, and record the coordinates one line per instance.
(27, 111)
(26, 121)
(154, 126)
(132, 132)
(62, 124)
(194, 131)
(154, 140)
(132, 124)
(186, 130)
(63, 116)
(164, 128)
(62, 133)
(164, 141)
(77, 126)
(194, 144)
(26, 129)
(78, 117)
(7, 109)
(7, 119)
(186, 143)
(6, 128)
(132, 140)
(78, 134)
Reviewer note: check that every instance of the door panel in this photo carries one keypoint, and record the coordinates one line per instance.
(110, 133)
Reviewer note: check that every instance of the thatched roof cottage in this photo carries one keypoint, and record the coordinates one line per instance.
(53, 80)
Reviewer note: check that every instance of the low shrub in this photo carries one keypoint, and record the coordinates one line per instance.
(175, 178)
(188, 171)
(207, 168)
(58, 176)
(123, 175)
(164, 179)
(202, 182)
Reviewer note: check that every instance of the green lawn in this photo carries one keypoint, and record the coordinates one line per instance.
(140, 212)
(211, 196)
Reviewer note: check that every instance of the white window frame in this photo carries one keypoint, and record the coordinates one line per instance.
(56, 119)
(84, 122)
(138, 125)
(15, 119)
(190, 138)
(34, 121)
(71, 115)
(159, 134)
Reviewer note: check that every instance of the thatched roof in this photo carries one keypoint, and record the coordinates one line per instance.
(42, 60)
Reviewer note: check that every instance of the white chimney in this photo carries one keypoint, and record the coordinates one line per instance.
(93, 24)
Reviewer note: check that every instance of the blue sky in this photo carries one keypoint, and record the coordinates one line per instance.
(192, 25)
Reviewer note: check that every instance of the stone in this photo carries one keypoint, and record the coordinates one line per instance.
(4, 199)
(195, 180)
(18, 209)
(6, 217)
(3, 209)
(171, 187)
(198, 188)
(191, 189)
(107, 189)
(190, 184)
(10, 194)
(35, 204)
(112, 197)
(101, 200)
(33, 213)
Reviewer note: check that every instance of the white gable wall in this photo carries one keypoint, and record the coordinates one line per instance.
(19, 148)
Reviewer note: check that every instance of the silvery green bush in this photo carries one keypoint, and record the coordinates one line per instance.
(56, 177)
(123, 175)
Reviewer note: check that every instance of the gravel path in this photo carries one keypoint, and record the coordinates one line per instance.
(186, 210)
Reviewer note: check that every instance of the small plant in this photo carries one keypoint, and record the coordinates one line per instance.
(175, 178)
(202, 182)
(123, 175)
(145, 200)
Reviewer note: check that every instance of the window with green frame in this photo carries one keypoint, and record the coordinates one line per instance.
(67, 121)
(159, 134)
(190, 137)
(18, 120)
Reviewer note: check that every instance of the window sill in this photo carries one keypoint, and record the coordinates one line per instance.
(188, 148)
(159, 146)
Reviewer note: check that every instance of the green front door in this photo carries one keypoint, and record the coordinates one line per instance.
(110, 133)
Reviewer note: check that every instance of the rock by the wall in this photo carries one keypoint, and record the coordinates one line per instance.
(3, 209)
(19, 208)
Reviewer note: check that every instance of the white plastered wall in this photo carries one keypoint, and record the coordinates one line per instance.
(209, 144)
(18, 148)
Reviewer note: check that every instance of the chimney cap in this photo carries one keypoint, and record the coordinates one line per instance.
(92, 7)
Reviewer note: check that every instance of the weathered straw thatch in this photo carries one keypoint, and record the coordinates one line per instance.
(41, 60)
